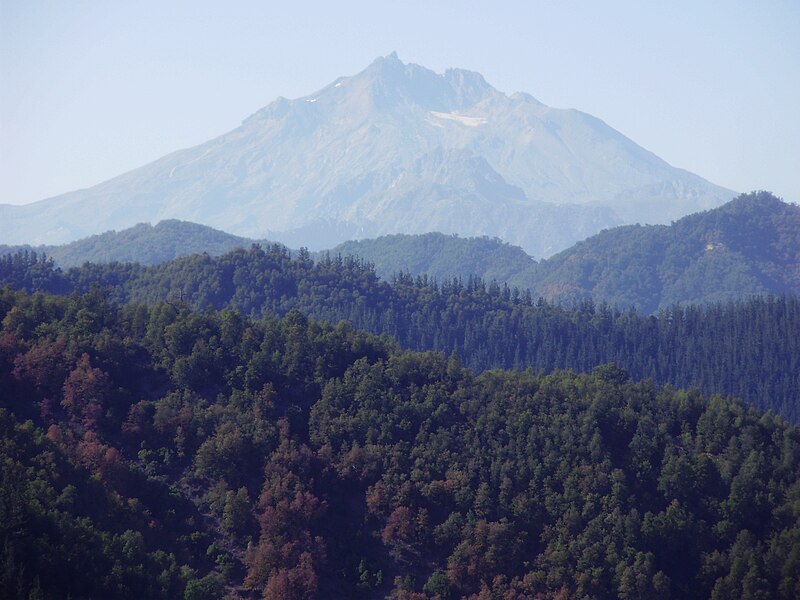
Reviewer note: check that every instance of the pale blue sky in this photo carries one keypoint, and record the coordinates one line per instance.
(91, 89)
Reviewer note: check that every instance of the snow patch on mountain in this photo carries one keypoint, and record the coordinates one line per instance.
(458, 118)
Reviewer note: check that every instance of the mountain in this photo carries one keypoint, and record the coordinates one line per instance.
(749, 246)
(143, 243)
(394, 149)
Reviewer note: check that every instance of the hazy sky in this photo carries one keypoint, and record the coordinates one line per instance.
(91, 89)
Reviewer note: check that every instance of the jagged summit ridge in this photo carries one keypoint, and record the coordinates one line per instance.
(350, 159)
(388, 83)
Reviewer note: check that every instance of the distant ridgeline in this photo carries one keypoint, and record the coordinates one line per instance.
(750, 246)
(146, 244)
(749, 349)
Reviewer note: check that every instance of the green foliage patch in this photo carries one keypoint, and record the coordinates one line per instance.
(156, 451)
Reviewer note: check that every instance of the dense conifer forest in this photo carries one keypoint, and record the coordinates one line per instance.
(164, 452)
(749, 246)
(258, 425)
(749, 348)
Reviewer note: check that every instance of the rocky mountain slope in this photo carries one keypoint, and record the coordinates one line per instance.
(394, 149)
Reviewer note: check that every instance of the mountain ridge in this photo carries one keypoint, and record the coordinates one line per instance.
(143, 243)
(749, 246)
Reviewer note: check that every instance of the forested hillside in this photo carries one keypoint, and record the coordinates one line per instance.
(439, 256)
(747, 349)
(749, 246)
(158, 452)
(144, 243)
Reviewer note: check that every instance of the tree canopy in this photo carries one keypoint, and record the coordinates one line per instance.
(159, 451)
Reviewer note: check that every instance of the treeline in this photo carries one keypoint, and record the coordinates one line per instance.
(749, 349)
(160, 452)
